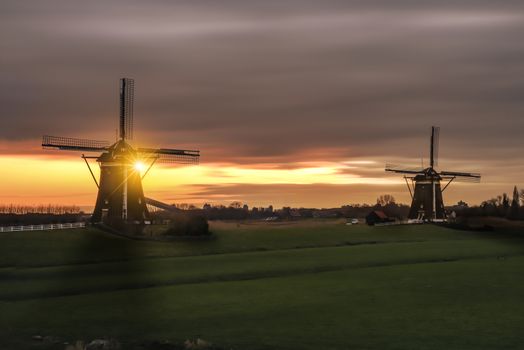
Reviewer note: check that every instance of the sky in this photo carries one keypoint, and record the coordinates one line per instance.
(297, 103)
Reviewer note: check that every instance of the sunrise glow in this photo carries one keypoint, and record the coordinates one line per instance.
(139, 166)
(54, 179)
(29, 179)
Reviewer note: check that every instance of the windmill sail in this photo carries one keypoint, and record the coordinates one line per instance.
(435, 141)
(73, 144)
(167, 155)
(461, 176)
(404, 169)
(127, 92)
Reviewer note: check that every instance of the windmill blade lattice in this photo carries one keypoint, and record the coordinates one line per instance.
(404, 169)
(127, 96)
(73, 144)
(435, 145)
(166, 155)
(461, 176)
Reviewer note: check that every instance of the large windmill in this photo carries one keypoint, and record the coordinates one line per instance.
(424, 184)
(121, 202)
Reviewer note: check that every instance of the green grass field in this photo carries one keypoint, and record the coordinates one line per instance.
(307, 285)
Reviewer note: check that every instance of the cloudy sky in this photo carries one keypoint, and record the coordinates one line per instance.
(290, 102)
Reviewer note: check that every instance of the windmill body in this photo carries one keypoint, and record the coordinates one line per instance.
(425, 184)
(120, 202)
(120, 194)
(427, 199)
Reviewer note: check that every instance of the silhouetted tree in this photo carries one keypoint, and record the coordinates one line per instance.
(285, 212)
(505, 204)
(513, 213)
(235, 205)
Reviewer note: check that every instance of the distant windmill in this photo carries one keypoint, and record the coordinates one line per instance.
(425, 189)
(120, 202)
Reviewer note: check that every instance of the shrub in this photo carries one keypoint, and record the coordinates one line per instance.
(188, 225)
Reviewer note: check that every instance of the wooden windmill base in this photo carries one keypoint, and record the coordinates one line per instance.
(124, 230)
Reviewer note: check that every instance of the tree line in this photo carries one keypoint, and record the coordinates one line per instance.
(505, 206)
(16, 214)
(240, 211)
(55, 209)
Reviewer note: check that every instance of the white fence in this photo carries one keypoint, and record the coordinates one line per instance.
(42, 227)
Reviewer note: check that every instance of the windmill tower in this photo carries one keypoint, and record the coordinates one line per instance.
(120, 202)
(424, 184)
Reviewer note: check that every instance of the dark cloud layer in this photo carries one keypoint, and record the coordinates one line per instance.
(249, 81)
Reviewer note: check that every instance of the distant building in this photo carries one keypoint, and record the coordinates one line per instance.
(377, 217)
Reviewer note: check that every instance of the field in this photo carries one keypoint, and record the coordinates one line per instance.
(307, 285)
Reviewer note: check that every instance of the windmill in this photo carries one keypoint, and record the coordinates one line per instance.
(120, 202)
(424, 184)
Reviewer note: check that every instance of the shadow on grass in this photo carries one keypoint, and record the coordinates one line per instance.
(81, 314)
(501, 230)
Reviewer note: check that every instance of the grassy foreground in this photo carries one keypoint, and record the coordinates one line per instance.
(312, 285)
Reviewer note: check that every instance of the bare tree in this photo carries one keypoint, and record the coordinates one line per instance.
(385, 199)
